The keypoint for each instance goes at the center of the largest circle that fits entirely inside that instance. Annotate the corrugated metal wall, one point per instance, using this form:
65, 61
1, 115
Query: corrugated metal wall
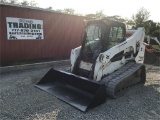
0, 34
61, 34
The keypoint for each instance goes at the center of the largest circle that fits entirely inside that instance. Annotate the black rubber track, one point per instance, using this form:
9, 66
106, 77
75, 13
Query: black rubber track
127, 76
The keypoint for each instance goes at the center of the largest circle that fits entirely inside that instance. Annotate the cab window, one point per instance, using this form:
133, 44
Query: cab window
116, 36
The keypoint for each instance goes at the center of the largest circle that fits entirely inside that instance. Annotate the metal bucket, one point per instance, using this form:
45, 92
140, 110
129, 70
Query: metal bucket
77, 91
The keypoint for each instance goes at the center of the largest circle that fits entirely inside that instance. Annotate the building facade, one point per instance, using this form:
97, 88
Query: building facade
28, 33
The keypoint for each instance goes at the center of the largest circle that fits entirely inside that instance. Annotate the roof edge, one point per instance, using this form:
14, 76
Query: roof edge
35, 8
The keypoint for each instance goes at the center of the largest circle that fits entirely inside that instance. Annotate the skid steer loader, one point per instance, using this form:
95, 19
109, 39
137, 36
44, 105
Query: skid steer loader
104, 66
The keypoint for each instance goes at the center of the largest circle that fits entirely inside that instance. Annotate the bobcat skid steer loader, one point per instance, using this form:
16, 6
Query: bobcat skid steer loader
104, 66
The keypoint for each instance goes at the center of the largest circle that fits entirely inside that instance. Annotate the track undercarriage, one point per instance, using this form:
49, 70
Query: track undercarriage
127, 76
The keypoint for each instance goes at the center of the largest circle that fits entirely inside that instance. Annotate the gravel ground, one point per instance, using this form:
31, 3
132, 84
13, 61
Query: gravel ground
20, 100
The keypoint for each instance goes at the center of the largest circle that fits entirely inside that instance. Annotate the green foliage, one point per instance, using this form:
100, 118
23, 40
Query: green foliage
90, 16
156, 33
150, 26
129, 24
100, 14
25, 3
140, 17
117, 18
141, 20
13, 1
3, 1
33, 3
69, 11
49, 8
97, 15
59, 10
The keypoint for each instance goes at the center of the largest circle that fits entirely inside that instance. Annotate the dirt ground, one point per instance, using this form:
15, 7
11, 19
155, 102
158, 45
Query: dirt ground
20, 100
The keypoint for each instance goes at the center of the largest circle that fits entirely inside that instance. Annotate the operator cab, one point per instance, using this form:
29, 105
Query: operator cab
99, 36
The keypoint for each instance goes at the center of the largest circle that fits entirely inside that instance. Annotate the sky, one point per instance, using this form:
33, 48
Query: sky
123, 8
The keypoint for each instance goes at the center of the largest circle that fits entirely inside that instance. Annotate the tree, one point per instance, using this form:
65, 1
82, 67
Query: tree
25, 3
13, 1
156, 33
100, 14
150, 26
97, 15
117, 18
140, 17
59, 10
141, 20
49, 8
3, 1
130, 24
69, 11
33, 3
90, 16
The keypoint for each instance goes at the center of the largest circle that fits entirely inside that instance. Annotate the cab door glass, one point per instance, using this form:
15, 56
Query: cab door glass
116, 36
